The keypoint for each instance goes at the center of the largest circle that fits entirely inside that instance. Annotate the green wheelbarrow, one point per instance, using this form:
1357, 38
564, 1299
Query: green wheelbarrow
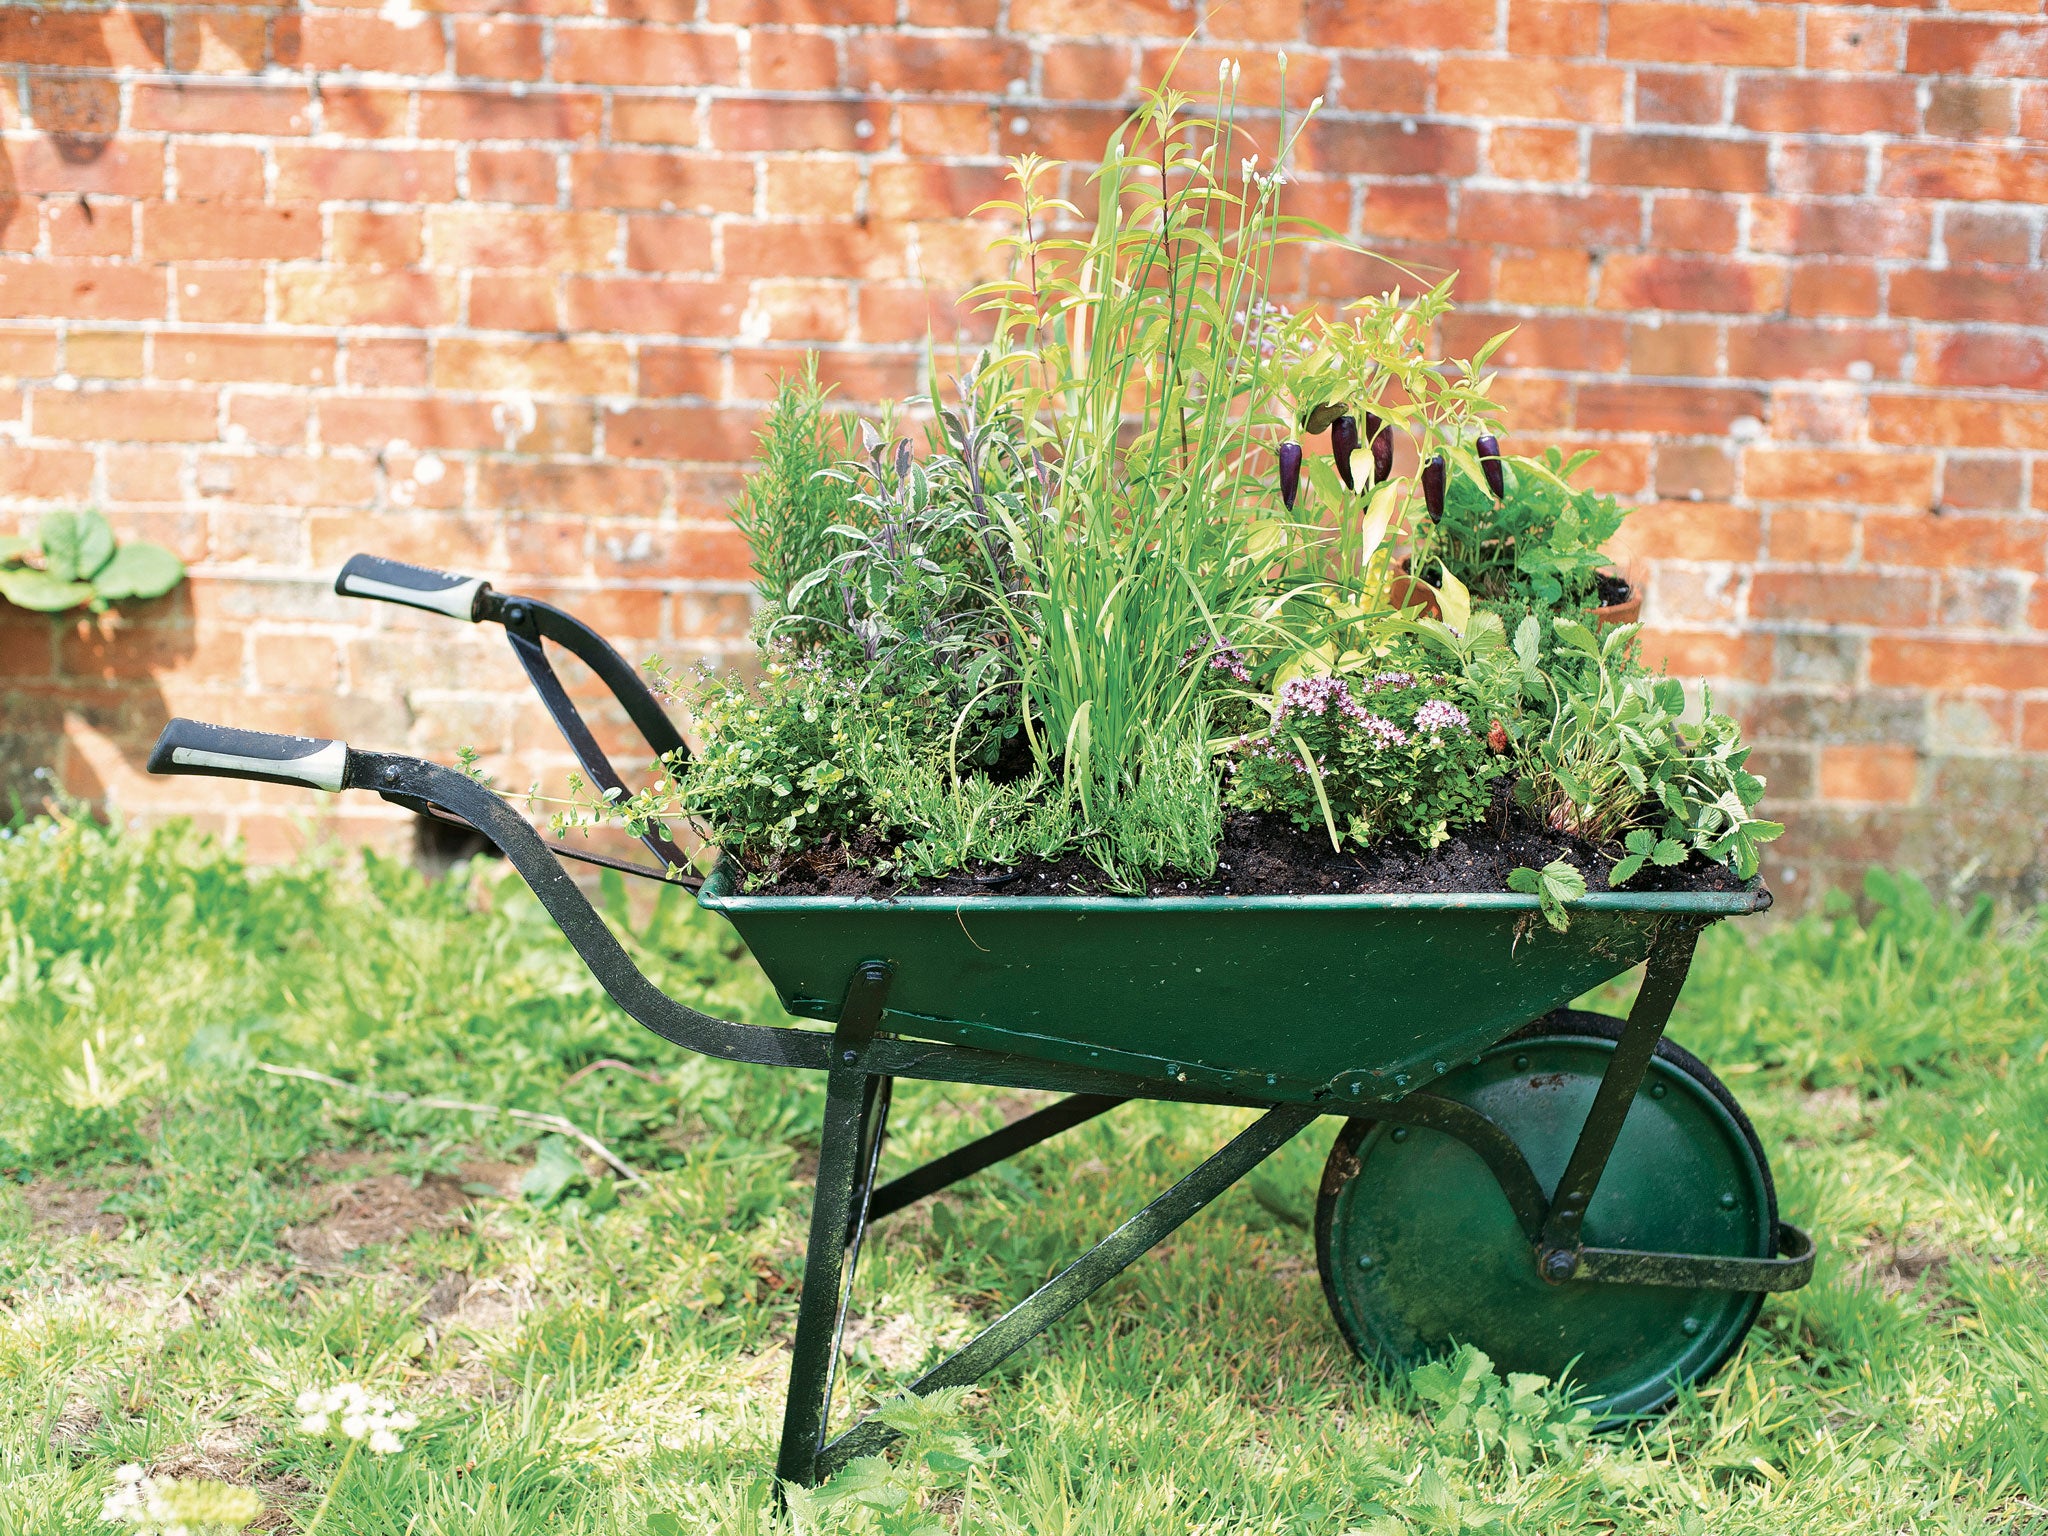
1569, 1192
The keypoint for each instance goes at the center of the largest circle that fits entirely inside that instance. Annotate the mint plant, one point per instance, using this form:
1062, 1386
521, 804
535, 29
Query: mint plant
74, 561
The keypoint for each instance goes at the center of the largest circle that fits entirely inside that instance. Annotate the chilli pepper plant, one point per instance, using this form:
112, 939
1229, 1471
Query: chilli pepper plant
1131, 583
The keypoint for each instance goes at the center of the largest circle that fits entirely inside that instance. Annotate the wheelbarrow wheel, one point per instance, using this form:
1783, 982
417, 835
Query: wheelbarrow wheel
1420, 1252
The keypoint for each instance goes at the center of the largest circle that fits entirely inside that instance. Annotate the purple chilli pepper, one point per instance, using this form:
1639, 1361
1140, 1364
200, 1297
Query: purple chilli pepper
1344, 443
1290, 473
1381, 435
1489, 462
1433, 487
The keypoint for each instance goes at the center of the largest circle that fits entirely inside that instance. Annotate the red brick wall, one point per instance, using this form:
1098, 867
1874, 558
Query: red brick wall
501, 291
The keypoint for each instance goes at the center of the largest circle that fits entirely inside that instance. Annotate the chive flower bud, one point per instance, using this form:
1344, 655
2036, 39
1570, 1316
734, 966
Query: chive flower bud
1381, 435
1433, 474
1344, 443
1290, 473
1489, 462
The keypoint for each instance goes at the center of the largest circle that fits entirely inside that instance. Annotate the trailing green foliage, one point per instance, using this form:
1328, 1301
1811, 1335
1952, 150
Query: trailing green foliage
74, 560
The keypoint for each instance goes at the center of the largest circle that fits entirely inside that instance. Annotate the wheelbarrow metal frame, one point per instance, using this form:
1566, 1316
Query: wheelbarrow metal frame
862, 1062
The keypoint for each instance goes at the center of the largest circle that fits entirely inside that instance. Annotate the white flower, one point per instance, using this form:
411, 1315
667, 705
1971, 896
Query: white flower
175, 1506
356, 1414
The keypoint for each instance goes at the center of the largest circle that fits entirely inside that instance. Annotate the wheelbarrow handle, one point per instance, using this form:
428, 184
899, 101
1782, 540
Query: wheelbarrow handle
415, 586
230, 753
222, 752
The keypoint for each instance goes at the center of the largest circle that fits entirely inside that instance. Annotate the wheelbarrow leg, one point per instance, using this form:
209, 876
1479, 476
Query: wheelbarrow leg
856, 1103
1663, 979
1082, 1278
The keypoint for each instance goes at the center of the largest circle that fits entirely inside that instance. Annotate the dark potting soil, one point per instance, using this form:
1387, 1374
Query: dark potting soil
1264, 855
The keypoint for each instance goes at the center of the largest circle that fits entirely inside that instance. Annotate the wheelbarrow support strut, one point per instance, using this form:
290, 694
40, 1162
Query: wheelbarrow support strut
846, 1199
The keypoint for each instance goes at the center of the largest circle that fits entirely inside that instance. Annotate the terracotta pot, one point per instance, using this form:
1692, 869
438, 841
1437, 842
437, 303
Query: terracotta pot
1406, 591
1627, 611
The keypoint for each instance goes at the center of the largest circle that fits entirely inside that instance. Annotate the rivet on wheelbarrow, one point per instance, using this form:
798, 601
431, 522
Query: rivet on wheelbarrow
1691, 1325
1400, 1133
1365, 1261
1727, 1200
1559, 1265
1400, 1080
850, 1057
1658, 1090
1521, 1063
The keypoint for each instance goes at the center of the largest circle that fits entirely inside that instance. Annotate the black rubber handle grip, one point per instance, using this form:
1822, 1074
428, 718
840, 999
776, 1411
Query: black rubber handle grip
393, 581
221, 752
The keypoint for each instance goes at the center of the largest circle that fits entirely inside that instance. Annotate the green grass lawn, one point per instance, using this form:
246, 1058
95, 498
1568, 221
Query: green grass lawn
187, 1242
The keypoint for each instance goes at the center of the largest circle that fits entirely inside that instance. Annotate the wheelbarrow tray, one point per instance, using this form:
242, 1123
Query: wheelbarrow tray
1289, 997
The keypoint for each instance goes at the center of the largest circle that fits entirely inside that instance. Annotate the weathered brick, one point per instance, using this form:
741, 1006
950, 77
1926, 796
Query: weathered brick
80, 291
212, 231
1907, 661
1971, 109
128, 415
656, 306
644, 55
308, 174
937, 66
1854, 40
73, 104
1966, 172
1376, 25
1548, 218
229, 359
1843, 597
220, 43
110, 39
1869, 772
463, 238
1954, 539
673, 120
1680, 96
1680, 160
1568, 29
533, 367
499, 48
1840, 475
646, 179
1801, 104
1962, 294
358, 296
681, 432
339, 40
1664, 33
1538, 88
1947, 46
1692, 283
190, 107
1365, 148
497, 114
